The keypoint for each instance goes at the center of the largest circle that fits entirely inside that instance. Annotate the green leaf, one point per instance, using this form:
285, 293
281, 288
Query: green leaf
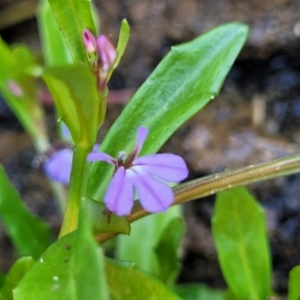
123, 41
96, 18
240, 235
15, 274
230, 296
2, 278
6, 59
19, 66
54, 47
294, 284
77, 100
103, 221
71, 269
30, 235
58, 277
126, 281
51, 272
198, 291
122, 44
182, 84
73, 17
167, 250
142, 253
25, 67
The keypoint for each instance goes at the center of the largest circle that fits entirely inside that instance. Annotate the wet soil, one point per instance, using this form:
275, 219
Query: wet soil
255, 118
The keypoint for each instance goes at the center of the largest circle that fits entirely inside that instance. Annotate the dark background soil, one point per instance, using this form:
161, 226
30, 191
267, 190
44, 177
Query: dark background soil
254, 119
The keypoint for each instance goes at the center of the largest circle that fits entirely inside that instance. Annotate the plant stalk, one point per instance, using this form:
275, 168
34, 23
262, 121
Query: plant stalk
77, 188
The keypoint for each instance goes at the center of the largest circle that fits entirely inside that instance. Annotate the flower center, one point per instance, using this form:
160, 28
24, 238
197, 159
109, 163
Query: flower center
120, 163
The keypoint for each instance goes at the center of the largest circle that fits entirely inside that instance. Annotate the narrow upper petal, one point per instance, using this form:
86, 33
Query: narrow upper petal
96, 147
58, 167
166, 166
101, 156
119, 194
154, 195
142, 134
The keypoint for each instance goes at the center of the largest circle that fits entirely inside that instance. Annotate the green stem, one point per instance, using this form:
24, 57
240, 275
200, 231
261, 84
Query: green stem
41, 143
77, 188
213, 184
60, 193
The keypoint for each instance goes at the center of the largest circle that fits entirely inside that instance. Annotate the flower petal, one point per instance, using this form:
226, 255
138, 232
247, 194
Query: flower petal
166, 166
101, 156
65, 132
96, 147
58, 167
142, 134
119, 194
154, 195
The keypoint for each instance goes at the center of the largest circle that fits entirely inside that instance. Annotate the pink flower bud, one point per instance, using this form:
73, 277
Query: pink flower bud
15, 89
107, 53
89, 41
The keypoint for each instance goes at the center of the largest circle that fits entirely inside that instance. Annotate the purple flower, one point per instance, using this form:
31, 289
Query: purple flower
58, 166
145, 174
65, 132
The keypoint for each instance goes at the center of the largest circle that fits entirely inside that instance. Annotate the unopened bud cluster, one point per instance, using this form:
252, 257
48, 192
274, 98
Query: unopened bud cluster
101, 54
